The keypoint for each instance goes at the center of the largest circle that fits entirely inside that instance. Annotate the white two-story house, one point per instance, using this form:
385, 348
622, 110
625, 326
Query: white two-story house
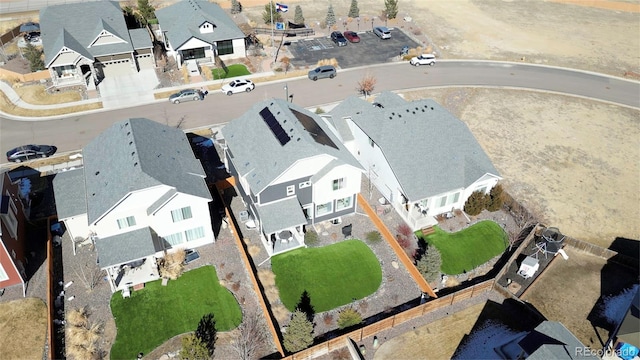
197, 30
140, 192
291, 171
423, 160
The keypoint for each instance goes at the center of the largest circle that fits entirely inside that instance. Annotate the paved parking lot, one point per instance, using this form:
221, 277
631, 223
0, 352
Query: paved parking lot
370, 50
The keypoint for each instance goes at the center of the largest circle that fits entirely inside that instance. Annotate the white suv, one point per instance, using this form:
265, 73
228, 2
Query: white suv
424, 59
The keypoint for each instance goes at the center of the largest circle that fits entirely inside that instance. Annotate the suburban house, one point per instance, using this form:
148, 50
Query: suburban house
141, 191
423, 160
198, 31
13, 216
290, 170
549, 340
87, 42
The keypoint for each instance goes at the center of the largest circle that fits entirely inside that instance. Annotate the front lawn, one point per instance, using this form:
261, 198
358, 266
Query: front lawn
153, 315
333, 275
469, 248
233, 71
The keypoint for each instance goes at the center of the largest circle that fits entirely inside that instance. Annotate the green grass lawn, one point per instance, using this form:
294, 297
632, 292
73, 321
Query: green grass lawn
234, 70
332, 275
467, 249
153, 315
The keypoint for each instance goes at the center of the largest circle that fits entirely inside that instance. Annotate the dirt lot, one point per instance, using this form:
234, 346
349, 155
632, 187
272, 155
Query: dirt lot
23, 328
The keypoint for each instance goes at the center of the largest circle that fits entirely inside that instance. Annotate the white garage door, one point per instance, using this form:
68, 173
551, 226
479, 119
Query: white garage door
145, 61
117, 68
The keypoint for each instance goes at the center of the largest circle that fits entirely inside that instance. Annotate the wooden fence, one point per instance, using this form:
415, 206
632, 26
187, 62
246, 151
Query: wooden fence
17, 77
286, 32
9, 35
602, 252
393, 321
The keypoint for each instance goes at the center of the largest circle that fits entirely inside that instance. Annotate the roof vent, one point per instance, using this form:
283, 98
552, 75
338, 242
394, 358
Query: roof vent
135, 164
97, 173
128, 133
432, 108
133, 153
407, 110
130, 142
298, 139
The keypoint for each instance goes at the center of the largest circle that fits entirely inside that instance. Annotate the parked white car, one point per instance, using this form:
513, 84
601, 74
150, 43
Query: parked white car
424, 59
240, 85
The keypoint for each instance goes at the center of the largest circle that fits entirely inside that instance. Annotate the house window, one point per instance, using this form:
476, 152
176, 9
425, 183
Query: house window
323, 209
371, 142
181, 214
174, 239
195, 234
126, 222
291, 190
3, 274
344, 203
307, 210
225, 47
339, 184
442, 201
453, 198
305, 184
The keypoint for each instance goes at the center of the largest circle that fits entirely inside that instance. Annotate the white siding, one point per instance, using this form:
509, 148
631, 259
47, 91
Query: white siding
323, 189
304, 168
162, 222
78, 226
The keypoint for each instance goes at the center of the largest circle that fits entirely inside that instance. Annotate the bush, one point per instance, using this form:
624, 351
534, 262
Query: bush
373, 237
348, 317
496, 198
429, 264
405, 230
320, 111
207, 333
311, 238
172, 265
475, 203
403, 241
193, 348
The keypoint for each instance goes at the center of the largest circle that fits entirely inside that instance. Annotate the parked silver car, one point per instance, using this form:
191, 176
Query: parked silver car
382, 32
186, 95
321, 72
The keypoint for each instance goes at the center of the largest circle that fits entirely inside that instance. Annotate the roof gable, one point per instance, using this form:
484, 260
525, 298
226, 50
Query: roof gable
263, 147
136, 154
423, 135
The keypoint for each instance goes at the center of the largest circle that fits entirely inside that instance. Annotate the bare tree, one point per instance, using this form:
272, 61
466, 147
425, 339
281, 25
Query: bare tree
252, 336
89, 274
366, 85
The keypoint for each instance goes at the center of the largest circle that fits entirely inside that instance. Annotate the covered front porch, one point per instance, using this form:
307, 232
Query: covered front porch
281, 226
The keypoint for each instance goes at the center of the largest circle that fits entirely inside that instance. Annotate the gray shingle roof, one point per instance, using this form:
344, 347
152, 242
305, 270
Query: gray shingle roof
257, 151
181, 22
136, 154
280, 215
70, 194
77, 25
140, 39
127, 247
429, 150
551, 340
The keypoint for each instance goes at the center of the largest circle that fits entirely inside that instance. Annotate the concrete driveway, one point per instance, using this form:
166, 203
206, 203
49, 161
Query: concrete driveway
130, 89
370, 50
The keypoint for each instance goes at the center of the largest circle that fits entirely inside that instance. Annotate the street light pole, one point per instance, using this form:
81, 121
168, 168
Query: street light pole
286, 92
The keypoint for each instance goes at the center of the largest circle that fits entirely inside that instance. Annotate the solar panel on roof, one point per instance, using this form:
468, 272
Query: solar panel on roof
275, 126
312, 127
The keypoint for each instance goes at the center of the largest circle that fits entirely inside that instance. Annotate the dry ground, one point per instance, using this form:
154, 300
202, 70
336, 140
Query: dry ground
583, 279
23, 328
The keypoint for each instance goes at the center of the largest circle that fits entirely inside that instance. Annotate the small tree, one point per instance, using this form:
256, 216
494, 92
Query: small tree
252, 337
305, 306
299, 334
349, 317
354, 11
34, 56
331, 17
236, 7
172, 265
270, 14
391, 8
366, 85
207, 332
146, 10
298, 18
429, 264
311, 238
193, 348
286, 64
496, 198
475, 203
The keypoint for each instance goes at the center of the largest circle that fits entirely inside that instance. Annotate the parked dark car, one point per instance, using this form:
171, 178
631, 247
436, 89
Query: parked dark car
338, 38
321, 72
352, 36
28, 152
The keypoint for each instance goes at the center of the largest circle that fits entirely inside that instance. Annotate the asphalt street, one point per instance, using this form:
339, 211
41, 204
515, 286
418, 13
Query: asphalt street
73, 132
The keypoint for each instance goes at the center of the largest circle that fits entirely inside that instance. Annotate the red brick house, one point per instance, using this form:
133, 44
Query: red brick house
12, 234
